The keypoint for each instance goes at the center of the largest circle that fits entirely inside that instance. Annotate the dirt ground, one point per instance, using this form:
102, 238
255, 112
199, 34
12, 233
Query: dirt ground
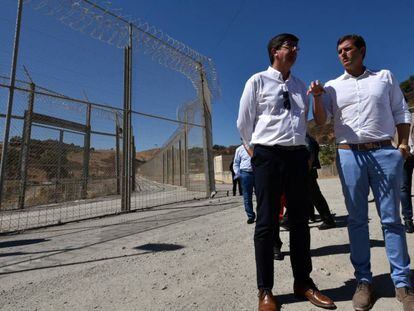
193, 256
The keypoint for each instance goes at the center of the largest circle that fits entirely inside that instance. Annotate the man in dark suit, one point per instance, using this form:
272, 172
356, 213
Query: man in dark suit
316, 198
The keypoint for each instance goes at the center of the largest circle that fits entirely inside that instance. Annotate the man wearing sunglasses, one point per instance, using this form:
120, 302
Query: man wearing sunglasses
367, 106
272, 124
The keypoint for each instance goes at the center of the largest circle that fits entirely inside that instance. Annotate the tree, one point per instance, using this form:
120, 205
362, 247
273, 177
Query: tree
327, 154
407, 86
218, 147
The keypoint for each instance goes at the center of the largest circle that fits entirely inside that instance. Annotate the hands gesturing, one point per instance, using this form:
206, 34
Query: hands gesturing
316, 89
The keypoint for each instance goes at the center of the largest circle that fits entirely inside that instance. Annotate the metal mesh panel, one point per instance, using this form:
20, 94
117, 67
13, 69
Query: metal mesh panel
196, 160
72, 151
104, 174
14, 153
168, 166
60, 167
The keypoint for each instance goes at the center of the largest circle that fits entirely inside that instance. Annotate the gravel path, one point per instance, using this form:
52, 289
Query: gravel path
193, 256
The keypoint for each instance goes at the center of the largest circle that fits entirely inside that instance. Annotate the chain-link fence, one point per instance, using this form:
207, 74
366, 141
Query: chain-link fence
69, 157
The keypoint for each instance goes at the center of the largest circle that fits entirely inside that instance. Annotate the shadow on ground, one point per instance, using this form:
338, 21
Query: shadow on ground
160, 247
383, 287
21, 242
337, 249
340, 249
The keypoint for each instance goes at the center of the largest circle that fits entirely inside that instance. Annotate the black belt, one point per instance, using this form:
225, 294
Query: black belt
290, 148
285, 148
244, 171
366, 146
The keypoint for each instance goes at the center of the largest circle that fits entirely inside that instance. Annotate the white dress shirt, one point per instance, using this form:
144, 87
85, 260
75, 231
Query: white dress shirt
262, 117
365, 108
241, 162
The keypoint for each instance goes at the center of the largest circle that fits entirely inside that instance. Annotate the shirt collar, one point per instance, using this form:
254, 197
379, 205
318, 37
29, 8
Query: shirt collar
367, 72
277, 74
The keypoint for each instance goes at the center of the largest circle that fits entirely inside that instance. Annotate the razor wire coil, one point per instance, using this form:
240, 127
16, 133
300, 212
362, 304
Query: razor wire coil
103, 22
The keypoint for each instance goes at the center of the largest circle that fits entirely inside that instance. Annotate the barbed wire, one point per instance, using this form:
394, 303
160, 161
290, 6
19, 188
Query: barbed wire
103, 22
186, 112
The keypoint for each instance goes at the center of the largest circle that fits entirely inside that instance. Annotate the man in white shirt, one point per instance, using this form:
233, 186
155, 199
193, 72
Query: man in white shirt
242, 168
366, 106
272, 124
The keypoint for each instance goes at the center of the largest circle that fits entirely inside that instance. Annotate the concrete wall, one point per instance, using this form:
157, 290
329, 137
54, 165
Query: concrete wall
222, 173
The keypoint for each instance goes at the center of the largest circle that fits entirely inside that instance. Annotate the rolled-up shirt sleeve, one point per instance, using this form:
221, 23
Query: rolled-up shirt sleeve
247, 112
399, 106
236, 164
327, 100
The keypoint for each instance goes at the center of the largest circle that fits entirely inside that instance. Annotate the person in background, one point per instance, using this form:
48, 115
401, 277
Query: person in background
316, 198
242, 168
236, 181
406, 203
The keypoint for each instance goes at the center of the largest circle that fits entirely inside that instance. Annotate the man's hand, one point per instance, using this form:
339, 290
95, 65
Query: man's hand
405, 150
249, 150
316, 89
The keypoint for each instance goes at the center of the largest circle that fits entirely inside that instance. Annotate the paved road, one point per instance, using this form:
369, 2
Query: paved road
148, 194
193, 256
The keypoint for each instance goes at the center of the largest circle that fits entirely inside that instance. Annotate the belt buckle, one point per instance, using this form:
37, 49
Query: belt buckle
361, 147
373, 145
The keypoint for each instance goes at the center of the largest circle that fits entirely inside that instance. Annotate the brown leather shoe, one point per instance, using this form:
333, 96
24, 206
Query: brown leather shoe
364, 297
405, 295
267, 301
310, 292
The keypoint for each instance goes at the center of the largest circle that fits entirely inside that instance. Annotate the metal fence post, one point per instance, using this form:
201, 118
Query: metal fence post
126, 133
172, 165
186, 164
207, 137
163, 168
133, 155
168, 165
86, 153
117, 155
180, 162
10, 99
27, 130
59, 164
125, 145
130, 146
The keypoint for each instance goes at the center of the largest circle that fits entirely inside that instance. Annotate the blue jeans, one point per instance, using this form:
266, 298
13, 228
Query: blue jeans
382, 170
406, 204
247, 182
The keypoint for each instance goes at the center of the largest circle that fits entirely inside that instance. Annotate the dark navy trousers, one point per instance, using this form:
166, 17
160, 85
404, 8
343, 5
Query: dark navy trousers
279, 169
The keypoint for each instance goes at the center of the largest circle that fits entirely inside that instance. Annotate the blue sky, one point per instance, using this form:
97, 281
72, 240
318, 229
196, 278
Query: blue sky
234, 34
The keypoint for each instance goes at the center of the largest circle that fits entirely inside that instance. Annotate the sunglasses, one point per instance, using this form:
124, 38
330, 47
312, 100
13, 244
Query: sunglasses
286, 100
290, 45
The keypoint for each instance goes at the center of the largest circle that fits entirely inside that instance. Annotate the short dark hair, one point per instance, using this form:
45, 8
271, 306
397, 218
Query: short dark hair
359, 42
277, 41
